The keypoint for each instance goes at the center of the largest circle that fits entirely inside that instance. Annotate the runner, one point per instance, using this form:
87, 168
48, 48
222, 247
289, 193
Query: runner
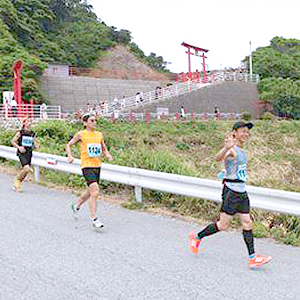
91, 148
234, 195
24, 141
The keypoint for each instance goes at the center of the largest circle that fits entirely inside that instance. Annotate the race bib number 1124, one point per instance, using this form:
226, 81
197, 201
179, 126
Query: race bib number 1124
94, 150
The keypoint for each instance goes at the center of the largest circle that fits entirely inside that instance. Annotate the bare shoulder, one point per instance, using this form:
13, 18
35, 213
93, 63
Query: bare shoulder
77, 138
17, 135
230, 154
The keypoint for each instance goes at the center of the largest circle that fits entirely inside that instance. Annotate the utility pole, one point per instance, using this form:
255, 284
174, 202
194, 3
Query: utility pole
250, 61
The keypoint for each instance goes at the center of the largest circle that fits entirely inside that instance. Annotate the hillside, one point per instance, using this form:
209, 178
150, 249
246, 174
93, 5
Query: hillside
120, 63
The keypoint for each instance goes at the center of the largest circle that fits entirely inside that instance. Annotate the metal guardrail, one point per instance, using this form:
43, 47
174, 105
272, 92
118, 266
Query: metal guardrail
263, 198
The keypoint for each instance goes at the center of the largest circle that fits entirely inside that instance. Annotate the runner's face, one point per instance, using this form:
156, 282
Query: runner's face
91, 122
242, 134
27, 125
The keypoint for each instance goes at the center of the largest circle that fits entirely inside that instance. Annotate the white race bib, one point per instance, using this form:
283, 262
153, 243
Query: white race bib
242, 172
94, 150
27, 141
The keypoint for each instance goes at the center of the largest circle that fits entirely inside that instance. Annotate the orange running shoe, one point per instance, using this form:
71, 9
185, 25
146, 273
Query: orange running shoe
194, 242
258, 261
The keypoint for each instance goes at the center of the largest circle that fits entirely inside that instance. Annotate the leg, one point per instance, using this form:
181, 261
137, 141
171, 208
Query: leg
212, 228
17, 186
255, 261
94, 193
247, 233
83, 198
24, 171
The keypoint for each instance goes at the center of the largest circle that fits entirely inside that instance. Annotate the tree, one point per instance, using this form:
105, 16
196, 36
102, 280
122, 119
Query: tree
279, 68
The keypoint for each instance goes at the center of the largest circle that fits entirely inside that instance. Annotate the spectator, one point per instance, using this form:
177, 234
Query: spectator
43, 111
123, 102
88, 108
141, 96
13, 104
182, 112
105, 108
217, 113
157, 92
137, 98
115, 104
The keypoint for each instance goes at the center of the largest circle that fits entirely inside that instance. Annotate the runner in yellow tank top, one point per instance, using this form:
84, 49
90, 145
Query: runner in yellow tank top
92, 147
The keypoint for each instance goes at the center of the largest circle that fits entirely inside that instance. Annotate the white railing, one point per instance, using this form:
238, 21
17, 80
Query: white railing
187, 116
155, 96
263, 198
233, 76
31, 111
177, 89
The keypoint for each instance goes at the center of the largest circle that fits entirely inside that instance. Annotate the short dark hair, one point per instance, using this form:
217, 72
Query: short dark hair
241, 124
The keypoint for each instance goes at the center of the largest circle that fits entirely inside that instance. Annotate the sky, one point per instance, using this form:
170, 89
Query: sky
223, 27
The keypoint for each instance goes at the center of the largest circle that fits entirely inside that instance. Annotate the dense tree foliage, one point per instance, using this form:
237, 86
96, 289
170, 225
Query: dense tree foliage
279, 68
61, 31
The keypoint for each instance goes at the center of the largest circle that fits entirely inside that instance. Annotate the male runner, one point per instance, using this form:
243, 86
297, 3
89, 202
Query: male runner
234, 196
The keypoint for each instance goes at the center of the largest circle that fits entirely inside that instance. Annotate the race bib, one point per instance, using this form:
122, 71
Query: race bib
242, 173
27, 141
94, 150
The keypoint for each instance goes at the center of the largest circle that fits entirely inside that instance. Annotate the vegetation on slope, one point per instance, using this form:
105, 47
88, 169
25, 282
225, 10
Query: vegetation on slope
61, 31
278, 66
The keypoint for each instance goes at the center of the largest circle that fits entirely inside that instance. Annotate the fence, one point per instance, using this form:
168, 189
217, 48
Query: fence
149, 116
263, 198
29, 110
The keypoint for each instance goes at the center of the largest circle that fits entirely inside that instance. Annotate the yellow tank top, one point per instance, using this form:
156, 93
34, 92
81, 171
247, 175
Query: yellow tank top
90, 149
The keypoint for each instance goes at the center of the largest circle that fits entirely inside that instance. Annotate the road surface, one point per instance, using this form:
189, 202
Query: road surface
46, 254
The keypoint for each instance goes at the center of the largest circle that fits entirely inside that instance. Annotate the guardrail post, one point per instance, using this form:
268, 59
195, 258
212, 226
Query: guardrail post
138, 194
36, 173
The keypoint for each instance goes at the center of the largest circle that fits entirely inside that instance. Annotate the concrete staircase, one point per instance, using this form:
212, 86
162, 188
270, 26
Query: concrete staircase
75, 92
228, 96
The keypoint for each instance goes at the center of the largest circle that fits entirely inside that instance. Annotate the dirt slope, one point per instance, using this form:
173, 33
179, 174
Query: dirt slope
121, 64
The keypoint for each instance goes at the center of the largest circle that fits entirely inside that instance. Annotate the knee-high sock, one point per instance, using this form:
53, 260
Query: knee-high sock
248, 238
209, 230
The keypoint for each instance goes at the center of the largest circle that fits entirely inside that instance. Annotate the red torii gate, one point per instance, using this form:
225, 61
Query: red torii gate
197, 50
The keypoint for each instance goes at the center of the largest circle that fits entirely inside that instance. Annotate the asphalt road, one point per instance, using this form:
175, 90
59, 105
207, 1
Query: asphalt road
46, 254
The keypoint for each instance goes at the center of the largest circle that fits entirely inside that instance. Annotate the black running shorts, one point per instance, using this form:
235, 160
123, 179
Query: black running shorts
91, 175
234, 202
25, 158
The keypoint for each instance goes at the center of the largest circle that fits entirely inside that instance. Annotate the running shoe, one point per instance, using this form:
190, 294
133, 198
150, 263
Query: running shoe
17, 185
74, 210
258, 261
97, 224
194, 242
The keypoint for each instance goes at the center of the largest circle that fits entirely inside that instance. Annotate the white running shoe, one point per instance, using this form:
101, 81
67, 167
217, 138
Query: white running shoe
97, 224
74, 210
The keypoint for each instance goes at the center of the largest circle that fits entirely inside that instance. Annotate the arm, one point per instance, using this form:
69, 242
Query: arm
36, 143
72, 142
14, 142
105, 151
227, 150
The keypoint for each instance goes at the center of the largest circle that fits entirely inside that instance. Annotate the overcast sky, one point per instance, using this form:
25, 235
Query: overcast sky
223, 27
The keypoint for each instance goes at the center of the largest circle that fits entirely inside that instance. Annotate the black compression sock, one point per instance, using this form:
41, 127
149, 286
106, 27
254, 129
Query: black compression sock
248, 238
209, 230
